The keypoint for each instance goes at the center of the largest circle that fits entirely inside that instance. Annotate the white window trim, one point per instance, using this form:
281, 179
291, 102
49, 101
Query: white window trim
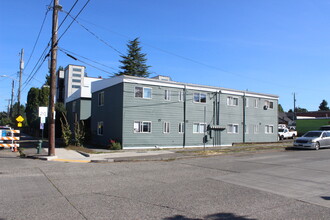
230, 101
199, 127
268, 105
256, 129
143, 92
180, 96
166, 127
267, 129
200, 97
141, 127
98, 128
167, 95
256, 103
246, 129
246, 102
230, 131
181, 127
100, 99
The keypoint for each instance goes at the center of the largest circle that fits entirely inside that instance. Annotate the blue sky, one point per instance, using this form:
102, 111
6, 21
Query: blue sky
276, 47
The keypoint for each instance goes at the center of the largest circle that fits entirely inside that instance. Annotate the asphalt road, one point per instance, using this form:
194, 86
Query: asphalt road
273, 185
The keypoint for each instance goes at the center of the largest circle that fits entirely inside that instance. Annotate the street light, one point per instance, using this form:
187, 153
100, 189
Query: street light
12, 93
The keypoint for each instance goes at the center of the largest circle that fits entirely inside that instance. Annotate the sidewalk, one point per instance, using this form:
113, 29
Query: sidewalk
64, 155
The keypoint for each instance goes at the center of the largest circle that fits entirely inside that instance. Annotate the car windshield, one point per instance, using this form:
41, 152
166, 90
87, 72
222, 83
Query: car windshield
280, 130
313, 134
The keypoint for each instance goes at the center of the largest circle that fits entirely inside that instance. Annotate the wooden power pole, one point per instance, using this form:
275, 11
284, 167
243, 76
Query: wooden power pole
21, 67
53, 63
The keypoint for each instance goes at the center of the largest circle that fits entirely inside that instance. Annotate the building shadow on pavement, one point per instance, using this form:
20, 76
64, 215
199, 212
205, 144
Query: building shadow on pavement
218, 216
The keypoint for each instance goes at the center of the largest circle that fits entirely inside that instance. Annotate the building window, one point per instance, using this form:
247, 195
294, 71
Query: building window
269, 129
76, 75
166, 127
256, 103
74, 106
232, 101
269, 104
180, 96
142, 92
76, 69
181, 127
101, 99
199, 97
75, 86
76, 80
246, 102
167, 95
199, 128
232, 128
142, 127
256, 129
100, 128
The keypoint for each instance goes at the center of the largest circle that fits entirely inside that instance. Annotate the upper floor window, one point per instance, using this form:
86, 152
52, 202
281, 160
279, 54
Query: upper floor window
76, 75
167, 94
76, 80
75, 86
269, 104
180, 96
256, 103
76, 69
200, 97
142, 92
166, 127
101, 99
246, 102
232, 101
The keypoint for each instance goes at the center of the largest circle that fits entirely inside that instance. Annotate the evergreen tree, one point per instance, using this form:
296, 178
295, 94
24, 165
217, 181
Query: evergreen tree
134, 63
324, 106
280, 108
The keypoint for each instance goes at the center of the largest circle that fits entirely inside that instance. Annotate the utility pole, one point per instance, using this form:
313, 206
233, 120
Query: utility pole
12, 98
53, 63
21, 67
294, 106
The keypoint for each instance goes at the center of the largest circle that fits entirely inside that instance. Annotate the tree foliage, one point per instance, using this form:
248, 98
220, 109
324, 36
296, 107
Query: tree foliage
280, 108
134, 63
324, 106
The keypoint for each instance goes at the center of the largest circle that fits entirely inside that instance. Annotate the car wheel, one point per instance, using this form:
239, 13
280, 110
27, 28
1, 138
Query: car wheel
317, 146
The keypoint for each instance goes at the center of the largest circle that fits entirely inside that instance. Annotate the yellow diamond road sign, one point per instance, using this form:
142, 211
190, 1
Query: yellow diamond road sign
20, 118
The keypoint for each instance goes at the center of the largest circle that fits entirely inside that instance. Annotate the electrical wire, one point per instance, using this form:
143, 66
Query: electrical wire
72, 7
73, 21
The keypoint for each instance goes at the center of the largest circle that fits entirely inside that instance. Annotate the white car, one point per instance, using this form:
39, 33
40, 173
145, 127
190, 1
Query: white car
313, 140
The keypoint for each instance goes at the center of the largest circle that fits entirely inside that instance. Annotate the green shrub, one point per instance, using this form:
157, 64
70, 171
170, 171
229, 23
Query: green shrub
114, 145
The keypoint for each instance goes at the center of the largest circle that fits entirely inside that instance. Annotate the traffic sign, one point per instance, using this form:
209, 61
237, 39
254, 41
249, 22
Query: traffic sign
43, 111
19, 118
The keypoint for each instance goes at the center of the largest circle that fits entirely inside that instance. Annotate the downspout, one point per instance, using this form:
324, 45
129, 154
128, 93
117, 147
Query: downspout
244, 117
184, 114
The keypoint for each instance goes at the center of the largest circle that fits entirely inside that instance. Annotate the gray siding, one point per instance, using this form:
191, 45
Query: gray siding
110, 113
157, 110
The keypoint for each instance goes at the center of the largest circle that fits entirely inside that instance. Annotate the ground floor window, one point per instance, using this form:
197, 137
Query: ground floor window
100, 128
269, 129
181, 127
199, 127
142, 127
232, 128
256, 129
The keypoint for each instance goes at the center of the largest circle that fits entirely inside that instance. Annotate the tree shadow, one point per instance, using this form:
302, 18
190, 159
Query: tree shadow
218, 216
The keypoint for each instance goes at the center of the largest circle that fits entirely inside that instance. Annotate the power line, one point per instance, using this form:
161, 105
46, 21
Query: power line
67, 15
73, 21
96, 36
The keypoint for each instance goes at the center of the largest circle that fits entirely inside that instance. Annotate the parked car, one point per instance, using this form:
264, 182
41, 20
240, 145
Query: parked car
284, 133
313, 140
325, 128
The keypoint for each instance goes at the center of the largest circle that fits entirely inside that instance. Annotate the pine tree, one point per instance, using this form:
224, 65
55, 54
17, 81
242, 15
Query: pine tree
324, 106
134, 63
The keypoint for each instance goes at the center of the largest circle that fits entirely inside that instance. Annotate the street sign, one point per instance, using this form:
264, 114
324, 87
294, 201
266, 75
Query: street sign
20, 119
43, 120
43, 111
42, 126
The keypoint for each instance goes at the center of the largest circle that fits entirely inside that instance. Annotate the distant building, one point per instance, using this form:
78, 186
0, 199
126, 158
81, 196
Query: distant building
157, 112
